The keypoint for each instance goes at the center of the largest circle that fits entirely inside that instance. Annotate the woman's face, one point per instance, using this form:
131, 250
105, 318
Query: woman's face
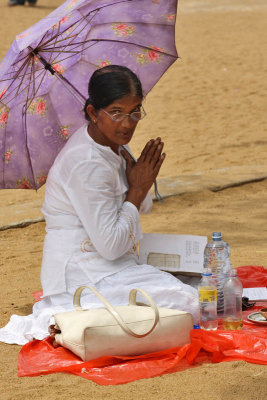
110, 133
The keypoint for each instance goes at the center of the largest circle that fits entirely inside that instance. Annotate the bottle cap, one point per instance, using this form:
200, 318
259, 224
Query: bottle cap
216, 235
206, 274
233, 272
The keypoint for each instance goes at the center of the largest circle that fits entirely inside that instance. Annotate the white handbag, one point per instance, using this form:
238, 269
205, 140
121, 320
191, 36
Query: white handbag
121, 331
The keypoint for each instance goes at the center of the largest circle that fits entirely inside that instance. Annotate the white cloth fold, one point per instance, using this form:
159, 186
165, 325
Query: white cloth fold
166, 290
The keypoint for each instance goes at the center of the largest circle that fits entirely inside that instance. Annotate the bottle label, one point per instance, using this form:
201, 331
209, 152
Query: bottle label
207, 294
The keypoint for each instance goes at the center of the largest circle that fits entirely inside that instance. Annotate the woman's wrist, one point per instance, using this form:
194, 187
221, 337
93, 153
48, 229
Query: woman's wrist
135, 196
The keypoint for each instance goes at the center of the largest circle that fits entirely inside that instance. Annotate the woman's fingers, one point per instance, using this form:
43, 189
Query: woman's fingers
129, 161
154, 151
157, 154
159, 163
149, 150
145, 150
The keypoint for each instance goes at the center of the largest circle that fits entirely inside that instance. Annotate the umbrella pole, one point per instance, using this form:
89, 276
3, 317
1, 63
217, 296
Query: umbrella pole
81, 99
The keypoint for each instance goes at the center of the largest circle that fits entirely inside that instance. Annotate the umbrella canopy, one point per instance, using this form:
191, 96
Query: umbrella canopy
44, 76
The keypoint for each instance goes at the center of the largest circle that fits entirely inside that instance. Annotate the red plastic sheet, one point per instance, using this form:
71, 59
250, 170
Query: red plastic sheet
252, 276
249, 344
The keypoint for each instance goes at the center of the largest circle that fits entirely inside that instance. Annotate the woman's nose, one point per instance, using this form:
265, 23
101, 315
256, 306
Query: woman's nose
127, 121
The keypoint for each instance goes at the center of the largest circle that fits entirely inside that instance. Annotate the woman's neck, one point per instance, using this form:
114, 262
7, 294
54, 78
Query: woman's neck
95, 134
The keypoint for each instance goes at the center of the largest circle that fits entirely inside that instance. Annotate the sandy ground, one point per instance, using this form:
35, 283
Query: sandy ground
210, 109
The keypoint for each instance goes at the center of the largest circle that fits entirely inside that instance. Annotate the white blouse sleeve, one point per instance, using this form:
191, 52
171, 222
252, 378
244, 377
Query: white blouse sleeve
91, 189
146, 205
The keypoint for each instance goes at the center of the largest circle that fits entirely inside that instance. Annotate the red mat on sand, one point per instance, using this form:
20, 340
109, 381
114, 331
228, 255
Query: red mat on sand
249, 344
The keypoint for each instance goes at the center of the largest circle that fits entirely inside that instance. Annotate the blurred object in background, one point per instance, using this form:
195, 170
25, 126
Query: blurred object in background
13, 3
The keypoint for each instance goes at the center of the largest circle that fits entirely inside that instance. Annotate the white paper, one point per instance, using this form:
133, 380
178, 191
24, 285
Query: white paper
257, 293
173, 253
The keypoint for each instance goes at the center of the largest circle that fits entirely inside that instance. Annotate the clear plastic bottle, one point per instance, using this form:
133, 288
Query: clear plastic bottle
232, 315
207, 293
216, 253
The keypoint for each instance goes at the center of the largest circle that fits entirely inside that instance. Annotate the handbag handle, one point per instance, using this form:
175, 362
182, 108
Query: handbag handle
113, 312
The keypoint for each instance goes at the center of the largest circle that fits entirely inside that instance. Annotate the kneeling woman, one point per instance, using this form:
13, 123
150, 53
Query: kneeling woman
94, 193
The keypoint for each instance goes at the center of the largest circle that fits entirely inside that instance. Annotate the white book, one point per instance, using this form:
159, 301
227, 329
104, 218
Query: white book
255, 294
182, 254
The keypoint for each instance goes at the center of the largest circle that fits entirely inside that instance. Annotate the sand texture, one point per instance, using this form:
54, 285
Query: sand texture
210, 110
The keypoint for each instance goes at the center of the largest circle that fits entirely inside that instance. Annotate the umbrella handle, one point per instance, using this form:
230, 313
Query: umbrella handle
157, 194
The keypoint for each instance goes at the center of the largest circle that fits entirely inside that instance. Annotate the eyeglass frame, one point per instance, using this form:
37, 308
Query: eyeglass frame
126, 115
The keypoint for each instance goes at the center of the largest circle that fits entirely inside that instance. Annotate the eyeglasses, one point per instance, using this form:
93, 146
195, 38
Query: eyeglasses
119, 117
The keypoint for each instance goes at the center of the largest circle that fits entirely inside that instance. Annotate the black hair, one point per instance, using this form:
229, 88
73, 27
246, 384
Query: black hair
110, 83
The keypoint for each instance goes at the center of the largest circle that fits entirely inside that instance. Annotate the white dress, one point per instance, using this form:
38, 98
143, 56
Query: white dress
91, 237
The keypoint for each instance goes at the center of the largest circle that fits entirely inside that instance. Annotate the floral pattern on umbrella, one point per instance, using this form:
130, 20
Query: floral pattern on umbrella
64, 132
4, 113
149, 55
123, 29
8, 155
37, 106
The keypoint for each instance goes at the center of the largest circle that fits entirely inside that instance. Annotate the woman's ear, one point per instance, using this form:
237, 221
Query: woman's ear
91, 112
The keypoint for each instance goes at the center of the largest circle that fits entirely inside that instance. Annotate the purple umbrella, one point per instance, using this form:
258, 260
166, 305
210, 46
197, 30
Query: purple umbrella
44, 76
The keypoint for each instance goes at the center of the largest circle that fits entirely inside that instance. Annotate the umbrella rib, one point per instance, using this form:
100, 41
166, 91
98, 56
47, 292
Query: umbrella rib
72, 44
35, 93
46, 33
135, 44
28, 89
77, 23
33, 70
16, 74
19, 76
114, 41
69, 44
24, 124
73, 53
55, 37
55, 41
23, 77
19, 92
22, 58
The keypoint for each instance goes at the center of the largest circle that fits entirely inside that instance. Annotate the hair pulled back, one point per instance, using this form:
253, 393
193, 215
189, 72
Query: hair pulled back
109, 84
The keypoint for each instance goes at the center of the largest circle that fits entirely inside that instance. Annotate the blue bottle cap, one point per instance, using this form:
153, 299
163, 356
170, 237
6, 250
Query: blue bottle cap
216, 235
196, 327
206, 274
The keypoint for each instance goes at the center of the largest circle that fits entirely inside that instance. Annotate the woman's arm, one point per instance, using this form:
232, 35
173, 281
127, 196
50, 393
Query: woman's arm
91, 189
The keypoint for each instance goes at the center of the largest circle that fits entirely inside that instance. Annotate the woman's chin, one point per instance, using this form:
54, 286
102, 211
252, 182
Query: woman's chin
125, 138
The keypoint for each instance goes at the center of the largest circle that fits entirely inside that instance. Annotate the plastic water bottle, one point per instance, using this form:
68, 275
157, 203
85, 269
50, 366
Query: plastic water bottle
232, 315
207, 293
216, 253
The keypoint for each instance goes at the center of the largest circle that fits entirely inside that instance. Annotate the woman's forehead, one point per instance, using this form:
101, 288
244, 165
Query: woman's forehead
128, 101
